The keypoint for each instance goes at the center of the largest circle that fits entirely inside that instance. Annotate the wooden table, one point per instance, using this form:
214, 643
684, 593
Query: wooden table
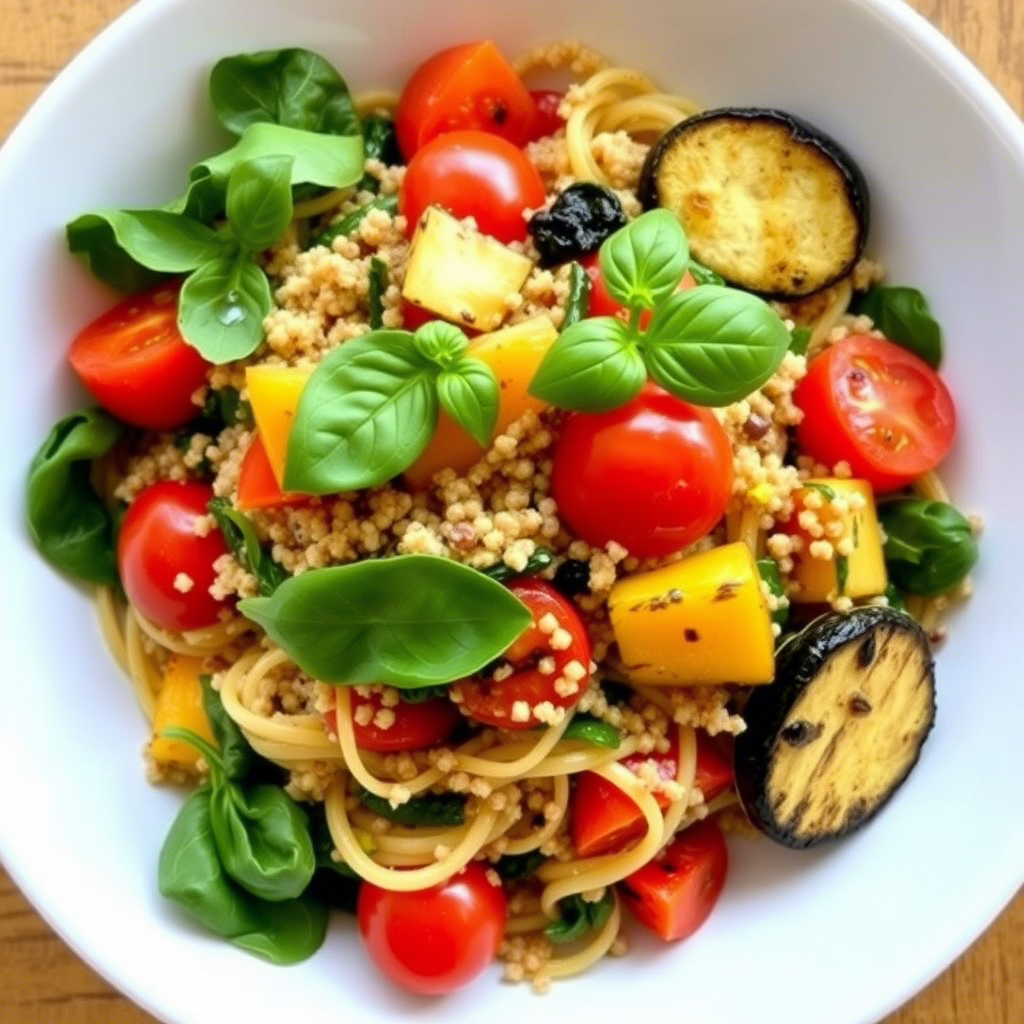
44, 982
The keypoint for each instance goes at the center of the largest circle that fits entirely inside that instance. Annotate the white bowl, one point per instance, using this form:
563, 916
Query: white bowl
842, 935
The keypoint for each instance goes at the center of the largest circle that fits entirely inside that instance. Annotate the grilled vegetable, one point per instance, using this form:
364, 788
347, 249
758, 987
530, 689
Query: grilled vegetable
831, 740
579, 220
767, 200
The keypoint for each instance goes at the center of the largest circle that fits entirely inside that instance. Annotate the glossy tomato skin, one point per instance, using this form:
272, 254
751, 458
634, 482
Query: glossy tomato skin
466, 87
545, 118
416, 726
878, 407
600, 303
156, 542
491, 701
435, 940
135, 363
674, 894
653, 475
473, 174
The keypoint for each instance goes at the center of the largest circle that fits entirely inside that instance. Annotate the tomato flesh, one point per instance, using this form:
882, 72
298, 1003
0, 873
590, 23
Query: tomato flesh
416, 725
878, 407
135, 363
545, 118
257, 484
435, 940
600, 302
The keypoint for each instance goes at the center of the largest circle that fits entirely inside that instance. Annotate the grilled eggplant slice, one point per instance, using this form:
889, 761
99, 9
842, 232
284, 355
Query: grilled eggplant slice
767, 200
840, 728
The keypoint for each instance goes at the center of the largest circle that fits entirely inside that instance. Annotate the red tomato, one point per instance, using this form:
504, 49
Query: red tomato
436, 940
675, 893
878, 407
470, 86
416, 726
257, 485
490, 701
545, 116
134, 362
156, 543
602, 304
473, 174
603, 819
654, 475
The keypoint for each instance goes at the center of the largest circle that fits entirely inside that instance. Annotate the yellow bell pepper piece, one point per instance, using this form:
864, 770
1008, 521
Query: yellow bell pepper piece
179, 703
274, 396
701, 620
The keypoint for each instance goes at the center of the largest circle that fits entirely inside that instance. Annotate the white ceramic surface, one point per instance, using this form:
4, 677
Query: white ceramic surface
840, 936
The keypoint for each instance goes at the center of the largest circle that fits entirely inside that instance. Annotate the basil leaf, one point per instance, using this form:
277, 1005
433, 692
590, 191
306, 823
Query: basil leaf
704, 275
413, 620
577, 302
903, 316
67, 521
440, 810
643, 263
515, 867
421, 694
243, 543
378, 285
768, 570
714, 345
593, 366
469, 394
579, 917
292, 87
347, 224
367, 412
592, 730
259, 201
221, 309
286, 932
92, 238
535, 564
440, 342
379, 143
929, 545
236, 756
799, 338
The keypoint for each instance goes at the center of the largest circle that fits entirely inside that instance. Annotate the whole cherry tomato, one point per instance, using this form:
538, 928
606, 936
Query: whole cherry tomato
416, 725
135, 363
166, 569
435, 940
473, 174
878, 407
653, 475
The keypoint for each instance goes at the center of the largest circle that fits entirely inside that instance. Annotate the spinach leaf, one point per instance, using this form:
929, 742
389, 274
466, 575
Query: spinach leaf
222, 408
895, 598
469, 394
768, 569
243, 543
579, 917
799, 338
515, 867
903, 316
643, 263
347, 224
411, 620
377, 287
292, 87
421, 694
68, 522
592, 730
380, 142
236, 756
577, 302
286, 932
704, 275
929, 545
535, 564
434, 809
259, 201
334, 882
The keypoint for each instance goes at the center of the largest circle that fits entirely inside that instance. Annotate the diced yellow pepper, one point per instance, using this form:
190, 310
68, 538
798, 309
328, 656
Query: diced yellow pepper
701, 620
179, 703
861, 573
514, 354
274, 396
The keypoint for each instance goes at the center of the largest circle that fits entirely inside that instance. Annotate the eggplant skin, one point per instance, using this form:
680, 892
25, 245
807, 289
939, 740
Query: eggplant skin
767, 200
834, 736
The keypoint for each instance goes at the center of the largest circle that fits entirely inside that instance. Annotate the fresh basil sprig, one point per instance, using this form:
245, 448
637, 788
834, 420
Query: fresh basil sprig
710, 345
929, 545
903, 316
578, 916
410, 621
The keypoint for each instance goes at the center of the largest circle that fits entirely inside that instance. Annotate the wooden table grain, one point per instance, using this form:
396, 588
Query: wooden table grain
44, 982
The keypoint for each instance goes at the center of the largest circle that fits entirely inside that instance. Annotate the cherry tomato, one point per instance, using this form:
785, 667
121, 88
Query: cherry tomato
417, 725
491, 701
653, 475
674, 894
157, 544
545, 117
878, 407
602, 304
134, 362
603, 819
470, 86
473, 174
435, 940
257, 485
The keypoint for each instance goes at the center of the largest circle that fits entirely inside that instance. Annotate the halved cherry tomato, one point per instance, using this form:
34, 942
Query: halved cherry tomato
545, 117
878, 407
135, 363
653, 475
257, 485
674, 894
435, 940
491, 701
157, 546
603, 819
471, 86
416, 726
602, 304
473, 174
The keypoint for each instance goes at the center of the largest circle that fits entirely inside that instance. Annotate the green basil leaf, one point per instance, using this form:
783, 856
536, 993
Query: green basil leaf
535, 564
292, 87
592, 730
380, 142
412, 620
378, 285
259, 201
577, 302
903, 316
203, 200
421, 694
929, 545
344, 227
223, 407
236, 756
441, 342
221, 309
286, 932
704, 275
714, 345
436, 810
67, 521
799, 338
243, 543
577, 917
643, 263
92, 238
768, 570
323, 843
593, 366
469, 394
368, 411
516, 867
